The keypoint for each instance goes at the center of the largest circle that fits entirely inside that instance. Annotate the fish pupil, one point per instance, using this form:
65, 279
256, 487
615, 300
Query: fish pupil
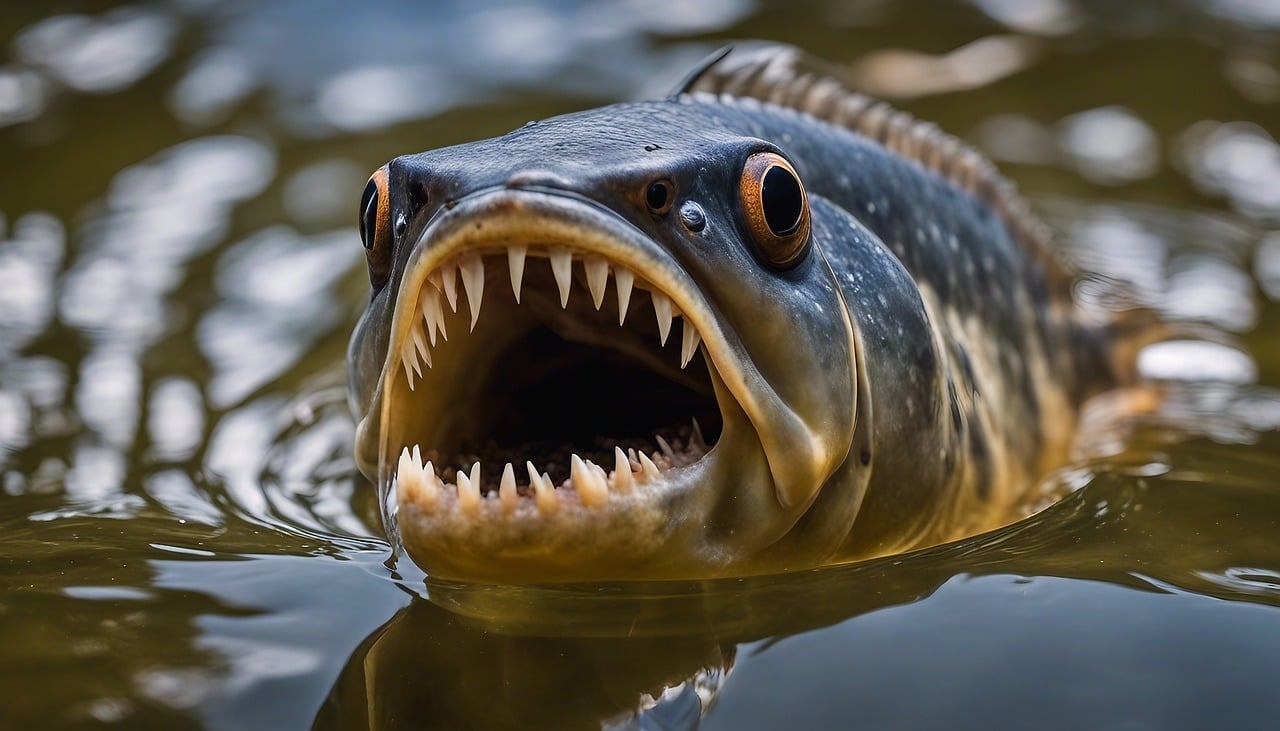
657, 195
369, 214
782, 200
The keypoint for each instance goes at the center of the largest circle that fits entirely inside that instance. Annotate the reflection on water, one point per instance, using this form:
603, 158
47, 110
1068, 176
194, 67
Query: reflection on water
187, 542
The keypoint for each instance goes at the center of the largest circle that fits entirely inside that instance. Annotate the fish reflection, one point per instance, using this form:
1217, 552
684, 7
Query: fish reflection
664, 654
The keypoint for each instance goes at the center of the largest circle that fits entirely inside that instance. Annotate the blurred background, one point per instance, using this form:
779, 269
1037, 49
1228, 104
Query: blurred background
180, 269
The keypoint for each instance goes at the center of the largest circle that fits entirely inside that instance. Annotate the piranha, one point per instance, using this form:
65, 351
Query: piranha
763, 324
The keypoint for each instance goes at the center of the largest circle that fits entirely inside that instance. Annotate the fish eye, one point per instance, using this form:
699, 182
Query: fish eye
375, 233
659, 196
776, 209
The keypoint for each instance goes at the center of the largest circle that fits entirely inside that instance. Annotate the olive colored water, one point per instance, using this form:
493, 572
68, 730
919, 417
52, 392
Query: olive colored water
183, 540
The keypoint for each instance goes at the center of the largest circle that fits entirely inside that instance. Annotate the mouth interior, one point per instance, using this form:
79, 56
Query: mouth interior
538, 381
558, 398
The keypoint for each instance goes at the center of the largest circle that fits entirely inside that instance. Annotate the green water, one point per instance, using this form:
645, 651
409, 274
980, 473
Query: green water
183, 537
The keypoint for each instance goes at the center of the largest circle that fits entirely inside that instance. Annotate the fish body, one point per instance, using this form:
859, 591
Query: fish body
883, 348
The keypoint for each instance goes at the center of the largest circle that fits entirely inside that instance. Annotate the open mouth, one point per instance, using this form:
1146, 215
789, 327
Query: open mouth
538, 376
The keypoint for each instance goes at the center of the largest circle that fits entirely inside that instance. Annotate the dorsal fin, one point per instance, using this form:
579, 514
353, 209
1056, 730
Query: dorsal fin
785, 76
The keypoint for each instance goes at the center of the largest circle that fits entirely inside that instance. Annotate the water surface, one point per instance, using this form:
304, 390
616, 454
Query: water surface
186, 543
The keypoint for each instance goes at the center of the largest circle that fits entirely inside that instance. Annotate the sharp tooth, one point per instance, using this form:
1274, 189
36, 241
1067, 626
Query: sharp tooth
544, 494
697, 434
649, 469
410, 363
597, 270
431, 485
689, 346
473, 282
507, 489
666, 448
587, 482
602, 475
417, 484
417, 457
469, 490
622, 481
449, 275
552, 499
631, 452
419, 342
515, 262
411, 351
562, 267
402, 469
624, 279
429, 301
440, 318
662, 309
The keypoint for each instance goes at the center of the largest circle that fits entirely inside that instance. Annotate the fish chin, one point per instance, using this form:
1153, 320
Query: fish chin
555, 408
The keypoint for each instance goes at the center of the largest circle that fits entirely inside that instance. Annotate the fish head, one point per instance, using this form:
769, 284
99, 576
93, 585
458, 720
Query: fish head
603, 346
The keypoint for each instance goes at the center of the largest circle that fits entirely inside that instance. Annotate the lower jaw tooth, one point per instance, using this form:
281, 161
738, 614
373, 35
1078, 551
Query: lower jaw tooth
622, 481
507, 490
544, 493
431, 486
416, 483
587, 482
469, 490
697, 435
665, 447
649, 469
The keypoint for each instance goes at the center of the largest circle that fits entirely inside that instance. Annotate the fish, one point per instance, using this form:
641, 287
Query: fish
763, 324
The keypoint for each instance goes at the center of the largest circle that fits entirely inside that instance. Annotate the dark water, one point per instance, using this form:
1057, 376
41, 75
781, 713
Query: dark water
183, 538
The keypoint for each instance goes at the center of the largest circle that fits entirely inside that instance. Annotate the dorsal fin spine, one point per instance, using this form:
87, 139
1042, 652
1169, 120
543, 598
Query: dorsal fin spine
769, 76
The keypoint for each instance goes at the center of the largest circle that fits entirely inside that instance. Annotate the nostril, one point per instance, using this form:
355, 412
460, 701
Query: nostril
419, 196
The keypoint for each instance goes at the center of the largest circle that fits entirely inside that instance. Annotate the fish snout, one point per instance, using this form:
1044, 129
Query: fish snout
538, 179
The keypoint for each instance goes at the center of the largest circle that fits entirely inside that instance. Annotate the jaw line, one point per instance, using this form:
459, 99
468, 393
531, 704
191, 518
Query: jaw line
493, 218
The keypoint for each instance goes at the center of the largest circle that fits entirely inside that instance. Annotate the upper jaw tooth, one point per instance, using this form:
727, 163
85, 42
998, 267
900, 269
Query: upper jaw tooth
473, 282
562, 267
515, 263
432, 314
624, 280
597, 270
662, 310
449, 275
689, 344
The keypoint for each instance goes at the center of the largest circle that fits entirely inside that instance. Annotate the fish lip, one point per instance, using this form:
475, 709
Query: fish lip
497, 217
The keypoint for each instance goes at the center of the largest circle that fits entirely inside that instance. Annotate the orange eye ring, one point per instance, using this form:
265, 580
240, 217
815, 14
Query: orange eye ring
775, 208
375, 226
